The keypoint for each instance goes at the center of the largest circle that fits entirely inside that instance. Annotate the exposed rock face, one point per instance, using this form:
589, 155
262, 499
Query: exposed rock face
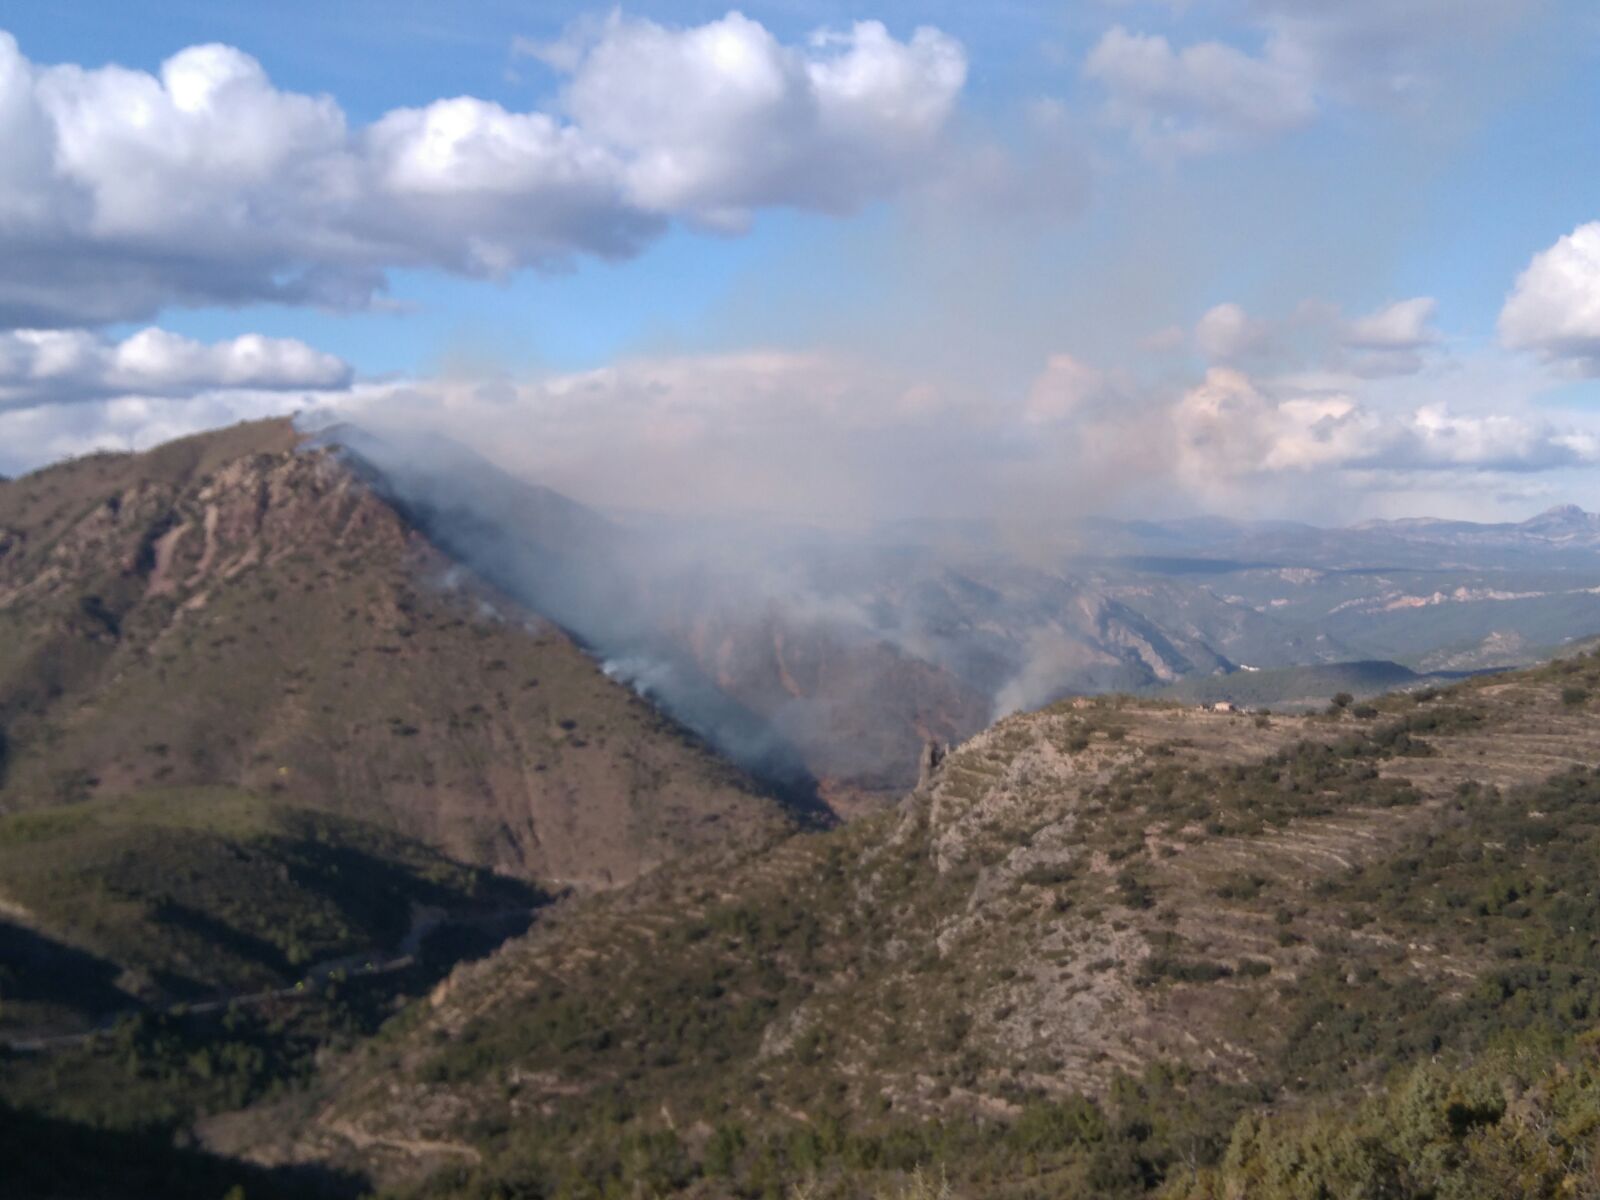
233, 609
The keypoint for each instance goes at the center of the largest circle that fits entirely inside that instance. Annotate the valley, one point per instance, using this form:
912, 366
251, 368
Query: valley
334, 861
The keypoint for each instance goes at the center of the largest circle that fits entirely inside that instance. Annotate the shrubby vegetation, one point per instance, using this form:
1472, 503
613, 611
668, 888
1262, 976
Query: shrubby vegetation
1164, 1124
163, 1070
1509, 878
1516, 1123
45, 1158
1308, 779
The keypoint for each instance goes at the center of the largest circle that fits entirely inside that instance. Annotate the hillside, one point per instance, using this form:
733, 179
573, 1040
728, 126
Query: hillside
1101, 937
252, 722
230, 610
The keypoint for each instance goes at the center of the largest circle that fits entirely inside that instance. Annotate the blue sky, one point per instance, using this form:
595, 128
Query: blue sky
1287, 237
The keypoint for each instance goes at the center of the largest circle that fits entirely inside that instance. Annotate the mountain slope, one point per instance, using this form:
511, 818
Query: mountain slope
1101, 933
232, 610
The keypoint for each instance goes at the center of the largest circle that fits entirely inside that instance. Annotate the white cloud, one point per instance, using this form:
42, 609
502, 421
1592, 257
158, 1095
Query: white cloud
1403, 325
1226, 428
825, 438
52, 366
1498, 442
716, 121
1554, 309
32, 437
1391, 341
1231, 427
121, 191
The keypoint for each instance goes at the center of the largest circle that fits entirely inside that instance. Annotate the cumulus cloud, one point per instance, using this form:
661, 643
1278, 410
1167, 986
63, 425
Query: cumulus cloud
831, 439
717, 121
1230, 427
1554, 309
47, 366
1227, 427
1403, 325
1394, 340
121, 191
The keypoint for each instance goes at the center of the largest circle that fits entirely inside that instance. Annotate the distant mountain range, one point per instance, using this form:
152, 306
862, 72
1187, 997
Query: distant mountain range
1556, 532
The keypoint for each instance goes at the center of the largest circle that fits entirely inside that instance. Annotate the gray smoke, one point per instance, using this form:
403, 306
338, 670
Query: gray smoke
798, 652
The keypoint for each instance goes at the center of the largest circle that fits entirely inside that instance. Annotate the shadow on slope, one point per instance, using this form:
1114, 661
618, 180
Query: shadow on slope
38, 970
197, 892
46, 1158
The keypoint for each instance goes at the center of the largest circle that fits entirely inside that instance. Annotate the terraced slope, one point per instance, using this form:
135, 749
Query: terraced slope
1100, 933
